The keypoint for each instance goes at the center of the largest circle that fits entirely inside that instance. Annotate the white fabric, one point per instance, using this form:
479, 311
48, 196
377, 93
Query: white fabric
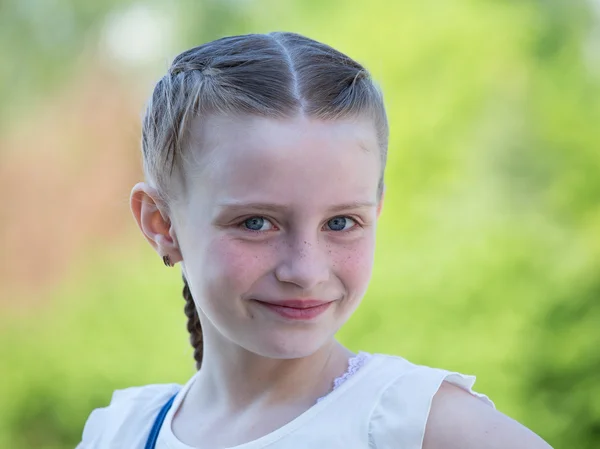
354, 364
385, 404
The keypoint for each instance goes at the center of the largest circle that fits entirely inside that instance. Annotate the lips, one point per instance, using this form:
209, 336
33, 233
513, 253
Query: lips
296, 309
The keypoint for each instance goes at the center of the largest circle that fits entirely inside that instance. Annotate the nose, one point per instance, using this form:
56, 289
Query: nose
304, 263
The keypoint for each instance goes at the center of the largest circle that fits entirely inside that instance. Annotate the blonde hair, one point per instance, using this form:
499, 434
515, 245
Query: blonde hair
276, 75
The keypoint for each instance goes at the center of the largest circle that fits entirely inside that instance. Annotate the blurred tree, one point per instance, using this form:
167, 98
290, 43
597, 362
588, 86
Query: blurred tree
42, 42
562, 387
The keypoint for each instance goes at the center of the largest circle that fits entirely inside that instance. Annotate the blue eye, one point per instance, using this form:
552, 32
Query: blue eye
257, 223
340, 223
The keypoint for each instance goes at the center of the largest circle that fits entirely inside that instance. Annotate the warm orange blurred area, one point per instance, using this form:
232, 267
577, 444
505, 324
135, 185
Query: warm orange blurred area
67, 189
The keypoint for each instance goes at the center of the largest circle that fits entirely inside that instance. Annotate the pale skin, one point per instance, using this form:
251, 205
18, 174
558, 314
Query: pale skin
273, 209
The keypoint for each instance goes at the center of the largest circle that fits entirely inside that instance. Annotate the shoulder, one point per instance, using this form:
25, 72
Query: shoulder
458, 420
401, 411
127, 418
434, 408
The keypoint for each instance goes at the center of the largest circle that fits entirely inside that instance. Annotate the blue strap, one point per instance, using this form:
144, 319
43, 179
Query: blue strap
151, 442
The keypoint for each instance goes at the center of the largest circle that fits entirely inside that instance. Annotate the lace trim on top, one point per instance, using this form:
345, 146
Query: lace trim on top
354, 364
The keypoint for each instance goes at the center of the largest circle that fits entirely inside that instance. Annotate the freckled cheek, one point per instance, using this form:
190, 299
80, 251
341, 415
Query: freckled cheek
237, 264
353, 265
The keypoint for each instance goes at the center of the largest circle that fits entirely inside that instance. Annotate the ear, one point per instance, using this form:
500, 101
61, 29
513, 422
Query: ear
151, 216
380, 203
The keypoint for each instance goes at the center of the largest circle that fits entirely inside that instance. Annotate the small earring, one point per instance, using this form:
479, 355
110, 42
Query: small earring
167, 261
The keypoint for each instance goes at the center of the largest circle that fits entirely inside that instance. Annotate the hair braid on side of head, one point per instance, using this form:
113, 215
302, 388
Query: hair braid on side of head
193, 324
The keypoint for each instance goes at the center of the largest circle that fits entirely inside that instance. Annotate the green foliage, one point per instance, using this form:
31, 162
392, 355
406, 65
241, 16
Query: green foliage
114, 329
489, 245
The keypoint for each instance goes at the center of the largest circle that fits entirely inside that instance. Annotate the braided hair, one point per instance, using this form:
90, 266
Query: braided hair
193, 324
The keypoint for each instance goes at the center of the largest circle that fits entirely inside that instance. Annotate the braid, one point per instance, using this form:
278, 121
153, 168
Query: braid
193, 324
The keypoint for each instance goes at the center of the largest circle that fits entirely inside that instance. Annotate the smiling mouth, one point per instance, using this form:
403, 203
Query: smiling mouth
297, 310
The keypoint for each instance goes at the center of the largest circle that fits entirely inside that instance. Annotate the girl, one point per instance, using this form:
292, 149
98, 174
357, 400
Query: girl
264, 158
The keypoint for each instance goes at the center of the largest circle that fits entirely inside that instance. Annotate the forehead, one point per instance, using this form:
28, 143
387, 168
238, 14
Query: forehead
289, 160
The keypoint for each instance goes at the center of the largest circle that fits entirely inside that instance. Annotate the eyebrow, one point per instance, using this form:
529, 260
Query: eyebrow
272, 207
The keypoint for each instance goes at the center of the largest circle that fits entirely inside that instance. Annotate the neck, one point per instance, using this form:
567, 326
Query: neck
235, 378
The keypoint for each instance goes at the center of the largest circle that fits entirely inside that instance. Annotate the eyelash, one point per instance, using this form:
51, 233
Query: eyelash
353, 228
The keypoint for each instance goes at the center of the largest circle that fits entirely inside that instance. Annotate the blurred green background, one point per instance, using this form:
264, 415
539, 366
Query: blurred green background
489, 245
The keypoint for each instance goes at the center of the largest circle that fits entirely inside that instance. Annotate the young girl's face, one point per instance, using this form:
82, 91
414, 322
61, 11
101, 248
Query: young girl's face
276, 226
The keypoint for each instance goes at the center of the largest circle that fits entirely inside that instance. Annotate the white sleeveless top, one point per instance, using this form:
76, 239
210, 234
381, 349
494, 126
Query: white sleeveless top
383, 405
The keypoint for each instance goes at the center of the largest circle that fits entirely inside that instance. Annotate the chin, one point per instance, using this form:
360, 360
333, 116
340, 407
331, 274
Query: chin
288, 346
